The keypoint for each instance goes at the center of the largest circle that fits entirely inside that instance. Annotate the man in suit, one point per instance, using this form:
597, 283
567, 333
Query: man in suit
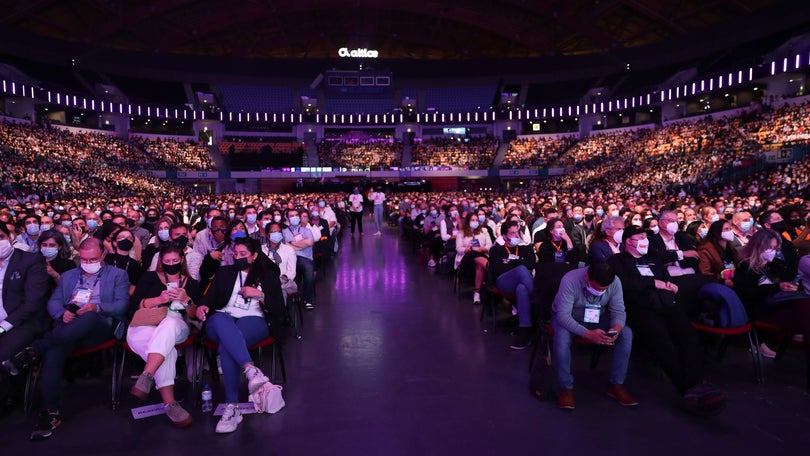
87, 305
24, 292
660, 323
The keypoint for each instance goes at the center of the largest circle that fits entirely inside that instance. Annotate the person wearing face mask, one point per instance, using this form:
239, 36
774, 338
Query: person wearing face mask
717, 257
661, 323
178, 237
322, 248
27, 241
580, 229
607, 241
123, 241
140, 233
25, 288
169, 287
86, 308
744, 229
511, 265
56, 250
160, 239
472, 249
432, 235
555, 257
283, 256
788, 252
301, 240
204, 241
590, 304
356, 210
251, 221
378, 198
767, 287
243, 306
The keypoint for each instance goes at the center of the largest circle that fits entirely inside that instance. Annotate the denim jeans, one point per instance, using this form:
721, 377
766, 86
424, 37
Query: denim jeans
234, 336
561, 354
378, 216
519, 281
84, 331
305, 268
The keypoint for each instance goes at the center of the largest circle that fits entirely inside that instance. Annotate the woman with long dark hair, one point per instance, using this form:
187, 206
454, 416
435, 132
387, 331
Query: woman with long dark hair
243, 299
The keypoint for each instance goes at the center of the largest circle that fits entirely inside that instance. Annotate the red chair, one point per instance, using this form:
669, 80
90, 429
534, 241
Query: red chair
208, 347
118, 353
753, 343
545, 337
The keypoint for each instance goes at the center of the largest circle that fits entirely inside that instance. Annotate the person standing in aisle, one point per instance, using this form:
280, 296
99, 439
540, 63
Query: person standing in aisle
356, 210
378, 198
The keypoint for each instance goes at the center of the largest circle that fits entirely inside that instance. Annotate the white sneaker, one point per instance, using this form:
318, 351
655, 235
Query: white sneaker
230, 420
256, 378
476, 297
766, 351
378, 233
432, 263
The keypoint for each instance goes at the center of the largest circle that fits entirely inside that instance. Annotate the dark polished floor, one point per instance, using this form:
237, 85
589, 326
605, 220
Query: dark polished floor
393, 362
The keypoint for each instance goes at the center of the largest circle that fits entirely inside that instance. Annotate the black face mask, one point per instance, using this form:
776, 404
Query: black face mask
125, 245
241, 263
172, 269
131, 223
181, 242
727, 216
152, 219
588, 217
779, 227
796, 222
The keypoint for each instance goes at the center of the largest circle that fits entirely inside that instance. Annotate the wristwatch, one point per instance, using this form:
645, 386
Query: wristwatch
2, 330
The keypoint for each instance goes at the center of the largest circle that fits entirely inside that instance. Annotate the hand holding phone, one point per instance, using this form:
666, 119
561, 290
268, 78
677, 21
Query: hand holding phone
72, 308
612, 333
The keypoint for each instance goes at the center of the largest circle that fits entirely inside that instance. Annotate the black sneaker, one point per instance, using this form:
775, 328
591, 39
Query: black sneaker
48, 421
521, 339
19, 362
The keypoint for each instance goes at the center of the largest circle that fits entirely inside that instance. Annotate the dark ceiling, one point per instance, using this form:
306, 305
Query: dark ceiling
428, 29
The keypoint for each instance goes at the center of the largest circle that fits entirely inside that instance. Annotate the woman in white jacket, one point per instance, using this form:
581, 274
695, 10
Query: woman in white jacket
472, 247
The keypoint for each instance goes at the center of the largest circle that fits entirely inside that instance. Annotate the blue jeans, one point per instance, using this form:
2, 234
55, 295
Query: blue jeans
378, 216
84, 331
234, 336
519, 281
561, 354
305, 268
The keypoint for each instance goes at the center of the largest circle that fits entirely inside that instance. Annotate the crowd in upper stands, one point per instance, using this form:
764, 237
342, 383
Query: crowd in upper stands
536, 152
465, 153
360, 154
174, 154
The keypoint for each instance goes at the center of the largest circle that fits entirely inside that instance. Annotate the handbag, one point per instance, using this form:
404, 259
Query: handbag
149, 317
267, 399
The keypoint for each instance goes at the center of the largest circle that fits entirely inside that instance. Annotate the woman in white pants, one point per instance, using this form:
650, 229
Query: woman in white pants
168, 287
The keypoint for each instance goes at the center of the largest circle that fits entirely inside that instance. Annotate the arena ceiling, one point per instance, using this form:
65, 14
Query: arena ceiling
425, 30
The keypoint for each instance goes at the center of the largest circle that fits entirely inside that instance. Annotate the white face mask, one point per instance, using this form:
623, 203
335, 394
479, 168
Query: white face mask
745, 226
617, 236
637, 223
594, 291
643, 246
559, 232
768, 255
91, 268
6, 249
727, 235
672, 228
714, 218
703, 231
654, 229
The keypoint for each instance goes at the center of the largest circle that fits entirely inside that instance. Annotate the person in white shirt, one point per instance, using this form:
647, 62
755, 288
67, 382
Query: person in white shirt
378, 198
356, 210
472, 248
283, 256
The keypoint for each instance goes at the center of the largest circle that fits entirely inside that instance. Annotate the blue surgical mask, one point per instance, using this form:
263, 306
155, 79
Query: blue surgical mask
514, 241
745, 226
474, 224
433, 213
238, 235
482, 218
600, 212
321, 204
453, 214
594, 291
295, 220
92, 224
276, 237
49, 252
251, 218
163, 235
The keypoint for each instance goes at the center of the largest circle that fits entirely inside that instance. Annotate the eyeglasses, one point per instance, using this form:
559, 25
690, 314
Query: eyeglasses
218, 231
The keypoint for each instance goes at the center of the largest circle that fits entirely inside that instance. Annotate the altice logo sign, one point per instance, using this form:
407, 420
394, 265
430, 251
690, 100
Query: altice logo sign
358, 53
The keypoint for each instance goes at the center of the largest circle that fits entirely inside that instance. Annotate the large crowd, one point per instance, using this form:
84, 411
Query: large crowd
98, 251
465, 153
175, 154
360, 154
535, 152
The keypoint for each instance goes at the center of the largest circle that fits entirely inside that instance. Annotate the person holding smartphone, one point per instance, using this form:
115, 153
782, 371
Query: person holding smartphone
169, 287
590, 304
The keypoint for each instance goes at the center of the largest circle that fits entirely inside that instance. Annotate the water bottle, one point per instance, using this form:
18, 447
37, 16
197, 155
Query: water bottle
207, 399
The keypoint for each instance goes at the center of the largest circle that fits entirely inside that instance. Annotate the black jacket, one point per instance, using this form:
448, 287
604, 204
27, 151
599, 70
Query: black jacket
26, 287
